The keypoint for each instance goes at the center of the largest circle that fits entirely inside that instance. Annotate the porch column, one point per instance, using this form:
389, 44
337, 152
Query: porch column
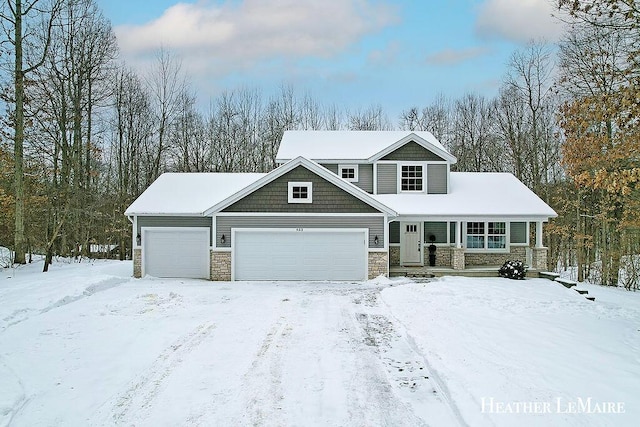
457, 253
458, 234
539, 235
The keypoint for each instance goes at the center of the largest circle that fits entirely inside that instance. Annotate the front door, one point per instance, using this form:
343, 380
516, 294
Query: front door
411, 244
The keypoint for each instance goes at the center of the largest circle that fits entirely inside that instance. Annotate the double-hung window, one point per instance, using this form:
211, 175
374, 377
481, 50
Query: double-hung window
486, 235
411, 178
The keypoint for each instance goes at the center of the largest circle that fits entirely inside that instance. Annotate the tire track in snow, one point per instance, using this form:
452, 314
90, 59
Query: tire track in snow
139, 397
263, 381
21, 315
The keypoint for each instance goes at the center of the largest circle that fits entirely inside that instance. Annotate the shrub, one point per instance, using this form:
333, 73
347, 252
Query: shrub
513, 270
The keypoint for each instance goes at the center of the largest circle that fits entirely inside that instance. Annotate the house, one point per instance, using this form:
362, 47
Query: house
341, 205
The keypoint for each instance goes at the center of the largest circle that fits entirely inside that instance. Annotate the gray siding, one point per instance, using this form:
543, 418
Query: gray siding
387, 178
412, 152
365, 175
437, 179
518, 232
394, 232
173, 221
438, 229
224, 224
327, 197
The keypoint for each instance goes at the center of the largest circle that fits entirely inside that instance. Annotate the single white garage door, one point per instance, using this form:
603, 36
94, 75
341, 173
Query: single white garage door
176, 252
309, 254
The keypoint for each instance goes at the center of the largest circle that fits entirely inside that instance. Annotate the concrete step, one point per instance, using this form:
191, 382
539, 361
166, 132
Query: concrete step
566, 282
548, 275
582, 291
591, 298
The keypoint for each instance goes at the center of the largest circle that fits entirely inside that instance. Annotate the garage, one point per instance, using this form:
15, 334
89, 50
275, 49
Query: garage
176, 252
299, 254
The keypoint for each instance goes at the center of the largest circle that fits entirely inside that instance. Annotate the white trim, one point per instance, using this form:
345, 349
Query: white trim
349, 166
145, 229
213, 232
399, 189
135, 236
309, 214
375, 178
300, 184
427, 217
385, 232
234, 231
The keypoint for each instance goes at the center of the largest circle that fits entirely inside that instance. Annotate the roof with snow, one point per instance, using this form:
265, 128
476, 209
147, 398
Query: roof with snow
189, 193
351, 145
473, 195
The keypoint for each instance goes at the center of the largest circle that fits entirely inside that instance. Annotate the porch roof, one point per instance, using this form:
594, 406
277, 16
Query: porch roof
473, 195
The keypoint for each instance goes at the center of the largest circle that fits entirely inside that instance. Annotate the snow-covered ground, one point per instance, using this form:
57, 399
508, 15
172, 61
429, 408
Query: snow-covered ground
87, 345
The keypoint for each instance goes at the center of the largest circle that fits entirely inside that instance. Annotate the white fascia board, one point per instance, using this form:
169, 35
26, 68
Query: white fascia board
421, 141
333, 161
166, 214
470, 218
313, 167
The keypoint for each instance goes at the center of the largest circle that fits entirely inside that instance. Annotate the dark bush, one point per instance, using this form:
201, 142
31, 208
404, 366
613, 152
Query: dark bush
513, 270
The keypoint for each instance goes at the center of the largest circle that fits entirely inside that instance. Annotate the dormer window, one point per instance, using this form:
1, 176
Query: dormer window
348, 172
412, 178
300, 192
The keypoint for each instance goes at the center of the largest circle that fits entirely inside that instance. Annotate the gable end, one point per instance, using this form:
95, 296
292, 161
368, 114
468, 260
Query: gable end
412, 151
327, 197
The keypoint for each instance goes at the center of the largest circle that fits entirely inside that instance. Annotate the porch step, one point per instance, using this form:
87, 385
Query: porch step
566, 282
582, 291
591, 298
548, 275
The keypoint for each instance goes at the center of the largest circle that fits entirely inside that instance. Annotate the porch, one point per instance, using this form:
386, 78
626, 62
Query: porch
469, 271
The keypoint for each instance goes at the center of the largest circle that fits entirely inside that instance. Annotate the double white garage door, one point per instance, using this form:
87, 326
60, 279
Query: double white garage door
273, 254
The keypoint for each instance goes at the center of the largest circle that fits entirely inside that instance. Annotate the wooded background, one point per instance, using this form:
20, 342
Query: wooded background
83, 134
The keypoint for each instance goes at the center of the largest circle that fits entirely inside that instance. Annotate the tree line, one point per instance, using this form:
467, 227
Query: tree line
85, 134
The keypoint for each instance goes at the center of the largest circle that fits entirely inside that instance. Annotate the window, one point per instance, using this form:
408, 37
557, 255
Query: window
300, 192
486, 235
348, 172
411, 178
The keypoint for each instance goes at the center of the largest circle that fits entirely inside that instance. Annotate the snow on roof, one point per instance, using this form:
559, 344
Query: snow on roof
473, 194
189, 193
343, 145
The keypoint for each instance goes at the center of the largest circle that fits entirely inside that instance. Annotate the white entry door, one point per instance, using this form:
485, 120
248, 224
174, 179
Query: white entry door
176, 252
411, 244
302, 254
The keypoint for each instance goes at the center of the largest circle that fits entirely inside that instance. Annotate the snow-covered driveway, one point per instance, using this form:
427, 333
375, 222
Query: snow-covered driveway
172, 352
86, 345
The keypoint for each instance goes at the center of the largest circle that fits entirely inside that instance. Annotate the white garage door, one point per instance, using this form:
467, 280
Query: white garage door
176, 252
310, 254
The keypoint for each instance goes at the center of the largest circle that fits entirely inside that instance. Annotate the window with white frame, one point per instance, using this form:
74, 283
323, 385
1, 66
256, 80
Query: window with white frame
348, 172
486, 235
411, 178
300, 192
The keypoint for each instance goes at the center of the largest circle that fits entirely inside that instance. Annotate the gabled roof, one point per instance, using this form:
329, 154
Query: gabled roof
182, 194
354, 146
313, 167
474, 195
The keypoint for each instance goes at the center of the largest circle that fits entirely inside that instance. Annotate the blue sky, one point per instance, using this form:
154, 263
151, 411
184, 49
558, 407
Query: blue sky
351, 53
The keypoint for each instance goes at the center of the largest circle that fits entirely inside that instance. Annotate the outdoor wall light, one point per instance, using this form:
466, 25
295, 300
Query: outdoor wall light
222, 239
138, 239
375, 240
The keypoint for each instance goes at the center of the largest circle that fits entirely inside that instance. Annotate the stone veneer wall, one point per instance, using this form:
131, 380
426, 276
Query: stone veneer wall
394, 255
220, 266
137, 263
378, 264
443, 256
539, 261
483, 258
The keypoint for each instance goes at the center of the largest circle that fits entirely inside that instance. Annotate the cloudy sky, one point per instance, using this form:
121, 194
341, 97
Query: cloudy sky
396, 53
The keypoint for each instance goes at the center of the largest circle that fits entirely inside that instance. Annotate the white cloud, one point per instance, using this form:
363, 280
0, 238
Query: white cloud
519, 20
214, 38
454, 57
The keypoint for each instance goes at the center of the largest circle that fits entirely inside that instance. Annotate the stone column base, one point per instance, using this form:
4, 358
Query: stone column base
539, 259
137, 263
220, 266
378, 264
457, 258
